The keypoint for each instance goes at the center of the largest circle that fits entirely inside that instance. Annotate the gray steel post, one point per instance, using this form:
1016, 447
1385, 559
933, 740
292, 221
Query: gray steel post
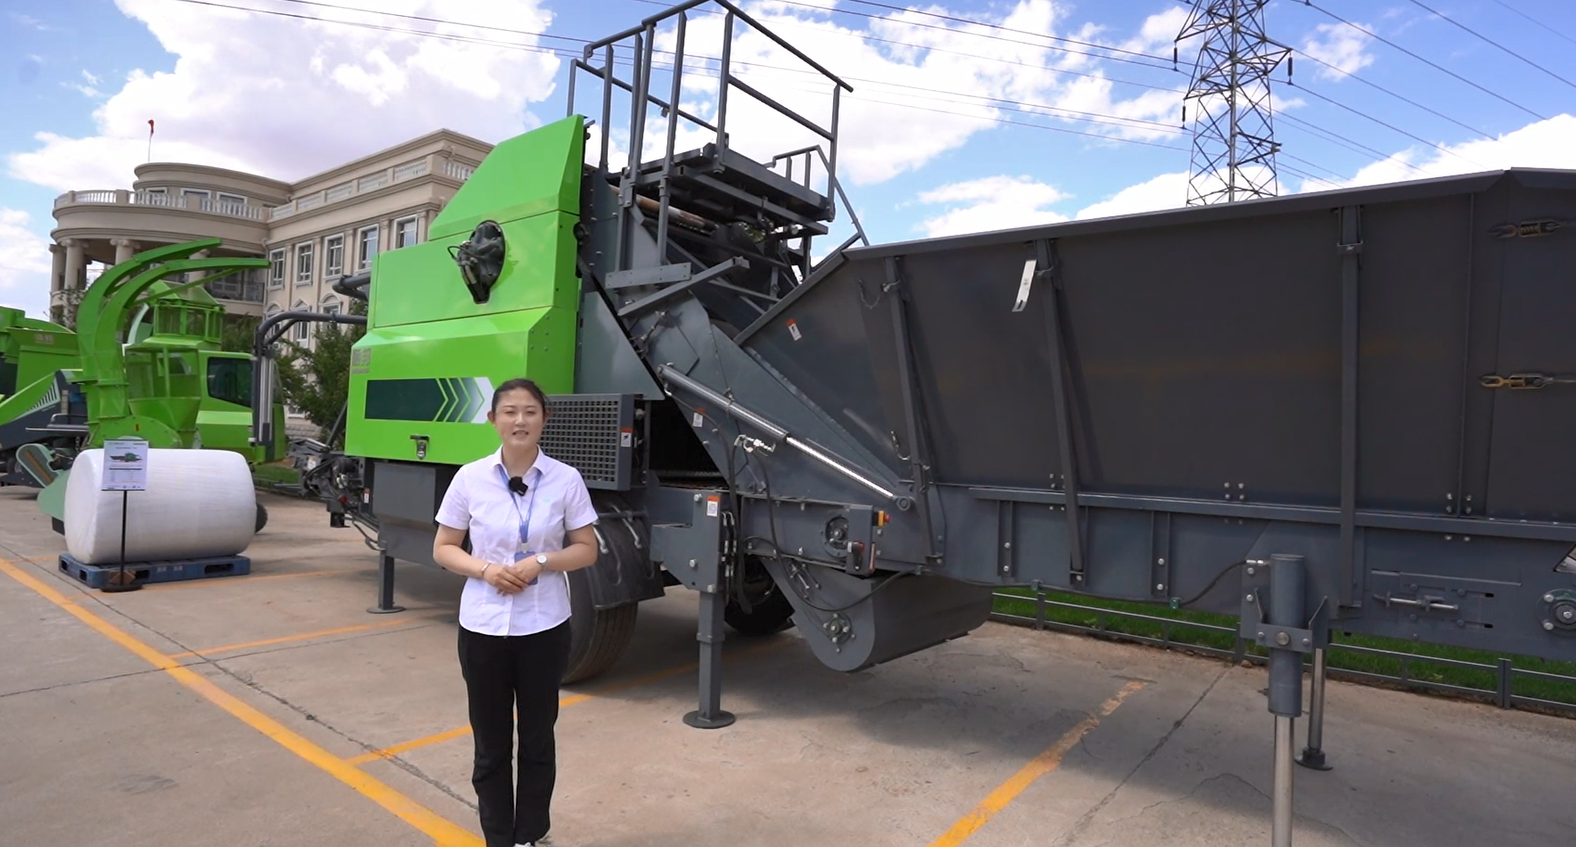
1286, 609
1313, 754
1281, 833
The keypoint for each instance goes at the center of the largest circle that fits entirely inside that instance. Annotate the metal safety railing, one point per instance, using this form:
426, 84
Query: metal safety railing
642, 48
1502, 671
639, 45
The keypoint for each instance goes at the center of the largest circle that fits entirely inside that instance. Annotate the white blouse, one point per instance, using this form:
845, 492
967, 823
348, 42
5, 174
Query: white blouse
479, 500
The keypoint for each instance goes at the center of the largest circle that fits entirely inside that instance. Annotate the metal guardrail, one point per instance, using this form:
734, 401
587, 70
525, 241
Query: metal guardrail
1504, 672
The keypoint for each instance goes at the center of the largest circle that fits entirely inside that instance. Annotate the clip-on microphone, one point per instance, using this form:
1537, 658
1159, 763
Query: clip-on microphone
518, 486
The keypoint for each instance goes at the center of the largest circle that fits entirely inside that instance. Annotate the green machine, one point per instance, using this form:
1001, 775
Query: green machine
147, 362
32, 355
867, 445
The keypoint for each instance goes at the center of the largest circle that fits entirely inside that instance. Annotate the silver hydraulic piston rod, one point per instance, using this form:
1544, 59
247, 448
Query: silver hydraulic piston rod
669, 373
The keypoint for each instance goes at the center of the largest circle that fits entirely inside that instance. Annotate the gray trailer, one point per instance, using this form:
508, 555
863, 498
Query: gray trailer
1347, 411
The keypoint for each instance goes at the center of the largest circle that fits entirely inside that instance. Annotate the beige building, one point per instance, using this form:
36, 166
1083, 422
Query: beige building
312, 231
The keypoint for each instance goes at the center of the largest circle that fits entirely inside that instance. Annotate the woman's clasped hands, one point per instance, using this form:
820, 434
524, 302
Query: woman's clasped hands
510, 579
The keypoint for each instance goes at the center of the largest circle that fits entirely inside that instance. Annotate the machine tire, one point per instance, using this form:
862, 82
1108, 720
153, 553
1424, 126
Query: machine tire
262, 519
597, 636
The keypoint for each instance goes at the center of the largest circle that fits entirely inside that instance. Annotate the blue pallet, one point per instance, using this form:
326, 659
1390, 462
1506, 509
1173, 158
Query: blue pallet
174, 570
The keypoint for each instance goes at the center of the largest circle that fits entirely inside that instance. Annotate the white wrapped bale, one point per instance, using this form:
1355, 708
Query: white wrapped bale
198, 504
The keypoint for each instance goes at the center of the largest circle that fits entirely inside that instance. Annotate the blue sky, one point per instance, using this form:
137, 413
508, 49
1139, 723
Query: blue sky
964, 114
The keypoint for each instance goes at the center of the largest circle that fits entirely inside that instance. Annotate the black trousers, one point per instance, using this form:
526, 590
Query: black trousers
505, 675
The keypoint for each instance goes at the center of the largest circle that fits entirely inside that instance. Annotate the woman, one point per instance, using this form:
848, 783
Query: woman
520, 507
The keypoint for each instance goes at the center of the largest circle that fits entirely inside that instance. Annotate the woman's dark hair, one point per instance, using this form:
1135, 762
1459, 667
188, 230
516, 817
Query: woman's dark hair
515, 385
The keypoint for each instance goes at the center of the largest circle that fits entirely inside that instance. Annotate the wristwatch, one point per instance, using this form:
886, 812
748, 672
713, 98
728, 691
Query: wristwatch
541, 559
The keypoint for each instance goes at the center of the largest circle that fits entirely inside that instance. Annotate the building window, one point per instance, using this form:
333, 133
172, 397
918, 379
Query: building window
366, 247
300, 329
194, 198
231, 204
276, 269
333, 256
303, 263
154, 197
404, 233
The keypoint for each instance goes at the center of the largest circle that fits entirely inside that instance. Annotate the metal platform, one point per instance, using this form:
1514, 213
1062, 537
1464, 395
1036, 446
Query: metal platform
176, 570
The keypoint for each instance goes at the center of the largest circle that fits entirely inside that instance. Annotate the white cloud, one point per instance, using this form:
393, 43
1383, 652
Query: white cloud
87, 87
1541, 144
286, 97
1003, 202
1341, 46
30, 22
24, 265
1166, 191
991, 203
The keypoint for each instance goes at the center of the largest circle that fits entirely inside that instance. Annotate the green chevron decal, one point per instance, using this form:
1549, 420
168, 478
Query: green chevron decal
437, 399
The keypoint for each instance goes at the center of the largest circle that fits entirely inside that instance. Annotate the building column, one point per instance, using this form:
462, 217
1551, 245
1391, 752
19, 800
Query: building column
70, 281
57, 282
57, 269
124, 249
74, 265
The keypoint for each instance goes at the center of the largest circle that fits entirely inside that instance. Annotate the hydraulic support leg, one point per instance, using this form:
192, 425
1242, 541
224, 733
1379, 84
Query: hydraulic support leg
1285, 610
1313, 754
710, 715
1274, 614
386, 603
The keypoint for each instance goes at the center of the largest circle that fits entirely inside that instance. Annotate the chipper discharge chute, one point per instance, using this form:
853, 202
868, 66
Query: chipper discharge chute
1350, 409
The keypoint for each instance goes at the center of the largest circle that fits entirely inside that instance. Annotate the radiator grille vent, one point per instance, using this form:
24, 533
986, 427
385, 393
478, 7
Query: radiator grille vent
593, 434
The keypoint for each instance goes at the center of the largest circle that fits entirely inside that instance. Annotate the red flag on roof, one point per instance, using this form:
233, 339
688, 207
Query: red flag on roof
150, 126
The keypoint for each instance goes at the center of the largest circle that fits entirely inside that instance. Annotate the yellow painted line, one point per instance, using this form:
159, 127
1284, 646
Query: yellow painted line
391, 752
289, 638
444, 833
462, 731
1040, 765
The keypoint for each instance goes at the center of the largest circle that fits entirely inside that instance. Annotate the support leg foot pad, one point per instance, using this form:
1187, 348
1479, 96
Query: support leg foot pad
1313, 760
717, 720
382, 610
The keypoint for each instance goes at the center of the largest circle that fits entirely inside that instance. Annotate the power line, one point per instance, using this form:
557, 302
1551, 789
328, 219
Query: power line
1496, 44
710, 74
1003, 39
1381, 156
439, 21
929, 48
1325, 135
1311, 5
1003, 28
565, 53
1536, 21
1093, 117
1375, 85
555, 51
1390, 126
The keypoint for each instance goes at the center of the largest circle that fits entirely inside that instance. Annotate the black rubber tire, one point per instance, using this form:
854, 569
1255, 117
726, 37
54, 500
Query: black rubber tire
597, 637
262, 519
